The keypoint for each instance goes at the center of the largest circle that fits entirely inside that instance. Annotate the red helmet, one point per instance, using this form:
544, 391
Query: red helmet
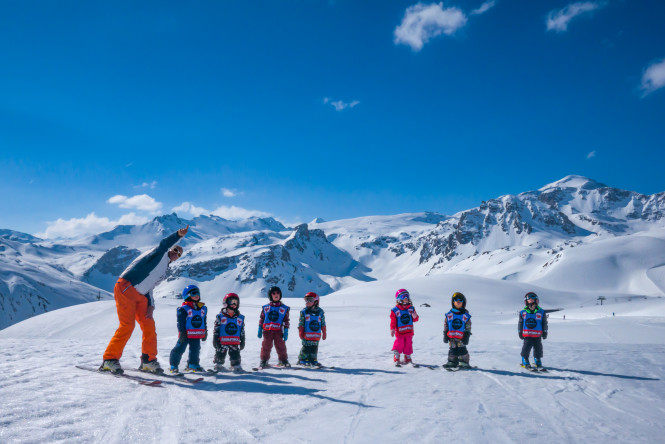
231, 296
313, 295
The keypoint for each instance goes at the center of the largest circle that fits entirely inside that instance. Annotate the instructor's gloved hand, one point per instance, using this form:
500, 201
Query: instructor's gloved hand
521, 335
465, 339
544, 335
285, 334
260, 331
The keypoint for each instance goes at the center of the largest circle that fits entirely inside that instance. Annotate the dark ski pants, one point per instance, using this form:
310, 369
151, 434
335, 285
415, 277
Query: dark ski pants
457, 351
233, 352
276, 337
179, 349
536, 344
309, 351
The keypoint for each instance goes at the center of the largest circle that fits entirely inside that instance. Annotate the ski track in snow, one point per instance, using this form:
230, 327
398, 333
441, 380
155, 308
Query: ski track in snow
606, 389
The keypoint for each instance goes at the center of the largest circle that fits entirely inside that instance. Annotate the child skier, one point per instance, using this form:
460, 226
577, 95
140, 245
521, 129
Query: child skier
229, 334
456, 332
531, 327
402, 317
312, 329
274, 328
192, 329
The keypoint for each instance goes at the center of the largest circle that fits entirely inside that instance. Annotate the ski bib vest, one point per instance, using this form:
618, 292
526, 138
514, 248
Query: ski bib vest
274, 316
195, 322
532, 323
312, 326
456, 324
229, 329
404, 320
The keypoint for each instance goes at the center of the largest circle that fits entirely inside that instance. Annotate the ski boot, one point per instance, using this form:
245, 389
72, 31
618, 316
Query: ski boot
464, 365
396, 359
539, 365
407, 359
219, 367
111, 365
450, 365
284, 363
150, 366
174, 370
316, 364
525, 364
263, 363
304, 363
237, 369
194, 368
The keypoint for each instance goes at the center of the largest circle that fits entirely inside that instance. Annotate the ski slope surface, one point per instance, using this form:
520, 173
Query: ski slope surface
605, 384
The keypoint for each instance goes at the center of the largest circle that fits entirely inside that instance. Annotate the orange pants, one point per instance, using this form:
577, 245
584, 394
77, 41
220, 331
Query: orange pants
131, 305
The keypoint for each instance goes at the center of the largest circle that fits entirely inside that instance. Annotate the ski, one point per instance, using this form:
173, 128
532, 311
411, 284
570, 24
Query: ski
178, 377
138, 379
459, 369
431, 367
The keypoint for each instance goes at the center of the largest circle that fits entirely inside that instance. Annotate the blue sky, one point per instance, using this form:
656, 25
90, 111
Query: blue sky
113, 112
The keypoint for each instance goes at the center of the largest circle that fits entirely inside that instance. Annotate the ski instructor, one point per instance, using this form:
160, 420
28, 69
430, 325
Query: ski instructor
134, 301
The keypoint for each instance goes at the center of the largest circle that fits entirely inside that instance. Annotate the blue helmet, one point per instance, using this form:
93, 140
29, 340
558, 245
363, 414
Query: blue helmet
189, 290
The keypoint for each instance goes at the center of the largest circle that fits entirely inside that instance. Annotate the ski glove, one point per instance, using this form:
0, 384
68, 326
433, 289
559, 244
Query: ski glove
301, 332
445, 338
260, 331
521, 335
285, 334
392, 332
205, 336
544, 335
182, 337
323, 333
149, 311
465, 339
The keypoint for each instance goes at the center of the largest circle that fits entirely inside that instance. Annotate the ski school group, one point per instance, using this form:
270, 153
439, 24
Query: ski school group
135, 303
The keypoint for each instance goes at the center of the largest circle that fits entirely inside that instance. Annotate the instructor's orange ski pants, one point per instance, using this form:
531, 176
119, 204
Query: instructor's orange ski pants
131, 305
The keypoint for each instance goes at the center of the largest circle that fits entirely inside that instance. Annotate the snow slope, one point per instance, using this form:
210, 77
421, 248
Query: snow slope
606, 382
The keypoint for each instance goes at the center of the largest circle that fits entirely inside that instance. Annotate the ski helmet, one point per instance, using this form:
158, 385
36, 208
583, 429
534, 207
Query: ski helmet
402, 295
190, 290
457, 296
228, 298
313, 295
273, 289
531, 295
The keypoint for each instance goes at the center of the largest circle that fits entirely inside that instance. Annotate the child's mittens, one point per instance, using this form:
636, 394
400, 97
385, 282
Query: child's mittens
323, 332
205, 337
445, 338
301, 332
285, 334
182, 336
544, 335
465, 339
414, 315
260, 335
392, 332
521, 335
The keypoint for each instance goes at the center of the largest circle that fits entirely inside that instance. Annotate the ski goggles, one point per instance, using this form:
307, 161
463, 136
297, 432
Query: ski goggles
194, 293
458, 299
310, 299
177, 251
232, 302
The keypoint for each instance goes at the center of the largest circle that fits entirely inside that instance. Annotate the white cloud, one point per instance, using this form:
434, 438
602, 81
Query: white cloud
558, 20
227, 212
653, 77
423, 22
141, 202
591, 154
150, 185
235, 213
483, 8
340, 105
189, 208
91, 224
229, 193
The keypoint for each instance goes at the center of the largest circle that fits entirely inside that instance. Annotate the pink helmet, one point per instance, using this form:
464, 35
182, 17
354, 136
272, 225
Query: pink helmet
402, 294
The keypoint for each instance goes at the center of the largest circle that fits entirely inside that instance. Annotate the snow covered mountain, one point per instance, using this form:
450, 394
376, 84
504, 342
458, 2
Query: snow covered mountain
559, 236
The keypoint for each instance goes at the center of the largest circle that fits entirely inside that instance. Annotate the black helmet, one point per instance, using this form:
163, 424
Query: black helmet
531, 295
272, 290
459, 296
